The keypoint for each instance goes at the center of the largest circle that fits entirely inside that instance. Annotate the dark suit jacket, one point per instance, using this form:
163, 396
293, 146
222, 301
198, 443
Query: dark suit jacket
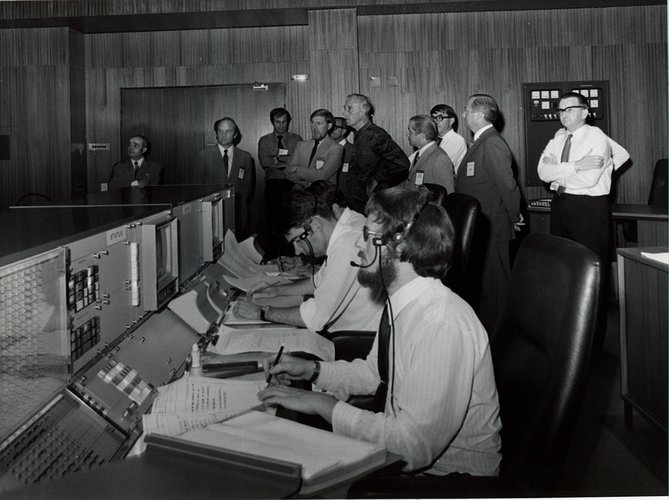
123, 174
328, 152
490, 180
208, 169
436, 166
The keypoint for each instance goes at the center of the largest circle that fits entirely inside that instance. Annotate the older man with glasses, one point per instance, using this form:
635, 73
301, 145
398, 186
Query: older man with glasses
449, 140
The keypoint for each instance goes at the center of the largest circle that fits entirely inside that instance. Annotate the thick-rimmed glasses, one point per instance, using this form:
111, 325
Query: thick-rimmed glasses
366, 233
569, 109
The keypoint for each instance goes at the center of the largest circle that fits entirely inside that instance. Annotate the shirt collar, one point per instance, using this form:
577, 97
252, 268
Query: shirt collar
408, 293
481, 130
222, 149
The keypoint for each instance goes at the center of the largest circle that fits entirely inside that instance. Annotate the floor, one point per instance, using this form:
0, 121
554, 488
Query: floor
605, 458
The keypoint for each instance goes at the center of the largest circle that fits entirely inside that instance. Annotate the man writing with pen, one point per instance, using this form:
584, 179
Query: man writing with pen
429, 368
339, 302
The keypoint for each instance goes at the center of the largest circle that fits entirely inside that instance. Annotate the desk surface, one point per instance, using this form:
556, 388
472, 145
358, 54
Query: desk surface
623, 211
636, 254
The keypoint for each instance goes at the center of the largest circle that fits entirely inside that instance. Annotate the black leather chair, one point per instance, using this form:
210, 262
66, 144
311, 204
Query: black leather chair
658, 189
541, 349
438, 191
463, 211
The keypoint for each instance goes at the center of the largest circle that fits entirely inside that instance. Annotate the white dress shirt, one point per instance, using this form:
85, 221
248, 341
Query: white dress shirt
231, 153
455, 146
340, 302
586, 141
446, 411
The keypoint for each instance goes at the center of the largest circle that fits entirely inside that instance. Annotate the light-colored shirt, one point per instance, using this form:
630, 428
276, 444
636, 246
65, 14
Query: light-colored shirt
340, 302
455, 146
230, 150
480, 131
353, 219
446, 410
586, 141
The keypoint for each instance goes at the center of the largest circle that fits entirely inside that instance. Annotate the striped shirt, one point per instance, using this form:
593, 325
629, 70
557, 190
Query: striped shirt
445, 412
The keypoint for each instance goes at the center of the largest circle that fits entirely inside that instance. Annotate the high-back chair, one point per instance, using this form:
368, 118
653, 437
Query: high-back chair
463, 211
658, 189
541, 350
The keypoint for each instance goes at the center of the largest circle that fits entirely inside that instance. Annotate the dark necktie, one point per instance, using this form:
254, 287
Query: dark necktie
225, 161
313, 152
136, 165
279, 142
470, 144
415, 160
564, 157
382, 362
439, 139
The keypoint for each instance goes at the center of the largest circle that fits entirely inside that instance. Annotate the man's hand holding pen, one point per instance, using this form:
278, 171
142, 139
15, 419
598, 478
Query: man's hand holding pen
278, 393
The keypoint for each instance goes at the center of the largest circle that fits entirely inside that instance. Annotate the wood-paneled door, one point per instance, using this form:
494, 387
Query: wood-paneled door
179, 122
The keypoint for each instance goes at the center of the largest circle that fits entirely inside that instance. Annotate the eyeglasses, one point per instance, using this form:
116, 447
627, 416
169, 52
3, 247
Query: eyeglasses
366, 233
440, 118
570, 108
302, 236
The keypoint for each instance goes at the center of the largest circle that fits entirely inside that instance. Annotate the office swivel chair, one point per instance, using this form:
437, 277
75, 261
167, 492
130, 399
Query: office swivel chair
540, 349
658, 189
463, 211
438, 193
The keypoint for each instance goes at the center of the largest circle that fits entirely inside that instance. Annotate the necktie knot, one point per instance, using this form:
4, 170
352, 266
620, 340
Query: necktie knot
136, 164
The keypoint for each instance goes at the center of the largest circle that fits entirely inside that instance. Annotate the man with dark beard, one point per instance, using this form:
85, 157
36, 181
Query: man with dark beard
429, 368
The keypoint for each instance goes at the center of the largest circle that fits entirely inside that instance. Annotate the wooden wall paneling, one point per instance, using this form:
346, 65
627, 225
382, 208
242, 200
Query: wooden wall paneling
36, 112
205, 57
496, 53
78, 168
333, 58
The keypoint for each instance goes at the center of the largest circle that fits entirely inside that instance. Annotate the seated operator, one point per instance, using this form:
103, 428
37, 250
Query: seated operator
435, 394
339, 302
331, 196
137, 170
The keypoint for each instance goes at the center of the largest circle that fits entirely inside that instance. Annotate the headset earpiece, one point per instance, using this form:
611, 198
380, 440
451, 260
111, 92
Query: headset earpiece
398, 238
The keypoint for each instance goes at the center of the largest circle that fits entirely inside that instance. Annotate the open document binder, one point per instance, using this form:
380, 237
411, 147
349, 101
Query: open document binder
279, 450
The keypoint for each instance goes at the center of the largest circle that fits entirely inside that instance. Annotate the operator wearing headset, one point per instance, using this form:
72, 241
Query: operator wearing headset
318, 158
339, 302
429, 367
225, 163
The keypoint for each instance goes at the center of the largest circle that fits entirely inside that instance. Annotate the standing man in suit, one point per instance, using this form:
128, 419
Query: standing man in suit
449, 140
340, 134
225, 163
318, 158
378, 162
429, 163
485, 173
137, 170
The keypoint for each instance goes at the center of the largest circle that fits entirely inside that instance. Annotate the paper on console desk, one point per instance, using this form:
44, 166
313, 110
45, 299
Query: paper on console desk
233, 341
662, 257
248, 282
248, 248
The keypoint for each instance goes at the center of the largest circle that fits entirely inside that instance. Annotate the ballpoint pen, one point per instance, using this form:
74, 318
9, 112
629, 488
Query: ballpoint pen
276, 361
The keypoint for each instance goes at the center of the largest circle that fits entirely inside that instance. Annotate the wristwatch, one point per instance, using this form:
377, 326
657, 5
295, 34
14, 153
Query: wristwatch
263, 313
316, 373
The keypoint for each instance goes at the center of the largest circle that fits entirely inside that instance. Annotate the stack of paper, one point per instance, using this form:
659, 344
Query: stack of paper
194, 402
244, 272
234, 341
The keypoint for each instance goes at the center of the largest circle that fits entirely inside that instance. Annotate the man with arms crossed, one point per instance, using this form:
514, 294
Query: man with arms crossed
377, 162
318, 158
339, 302
438, 401
578, 163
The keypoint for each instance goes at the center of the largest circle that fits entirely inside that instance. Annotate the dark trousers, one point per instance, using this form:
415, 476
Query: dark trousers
273, 242
585, 220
